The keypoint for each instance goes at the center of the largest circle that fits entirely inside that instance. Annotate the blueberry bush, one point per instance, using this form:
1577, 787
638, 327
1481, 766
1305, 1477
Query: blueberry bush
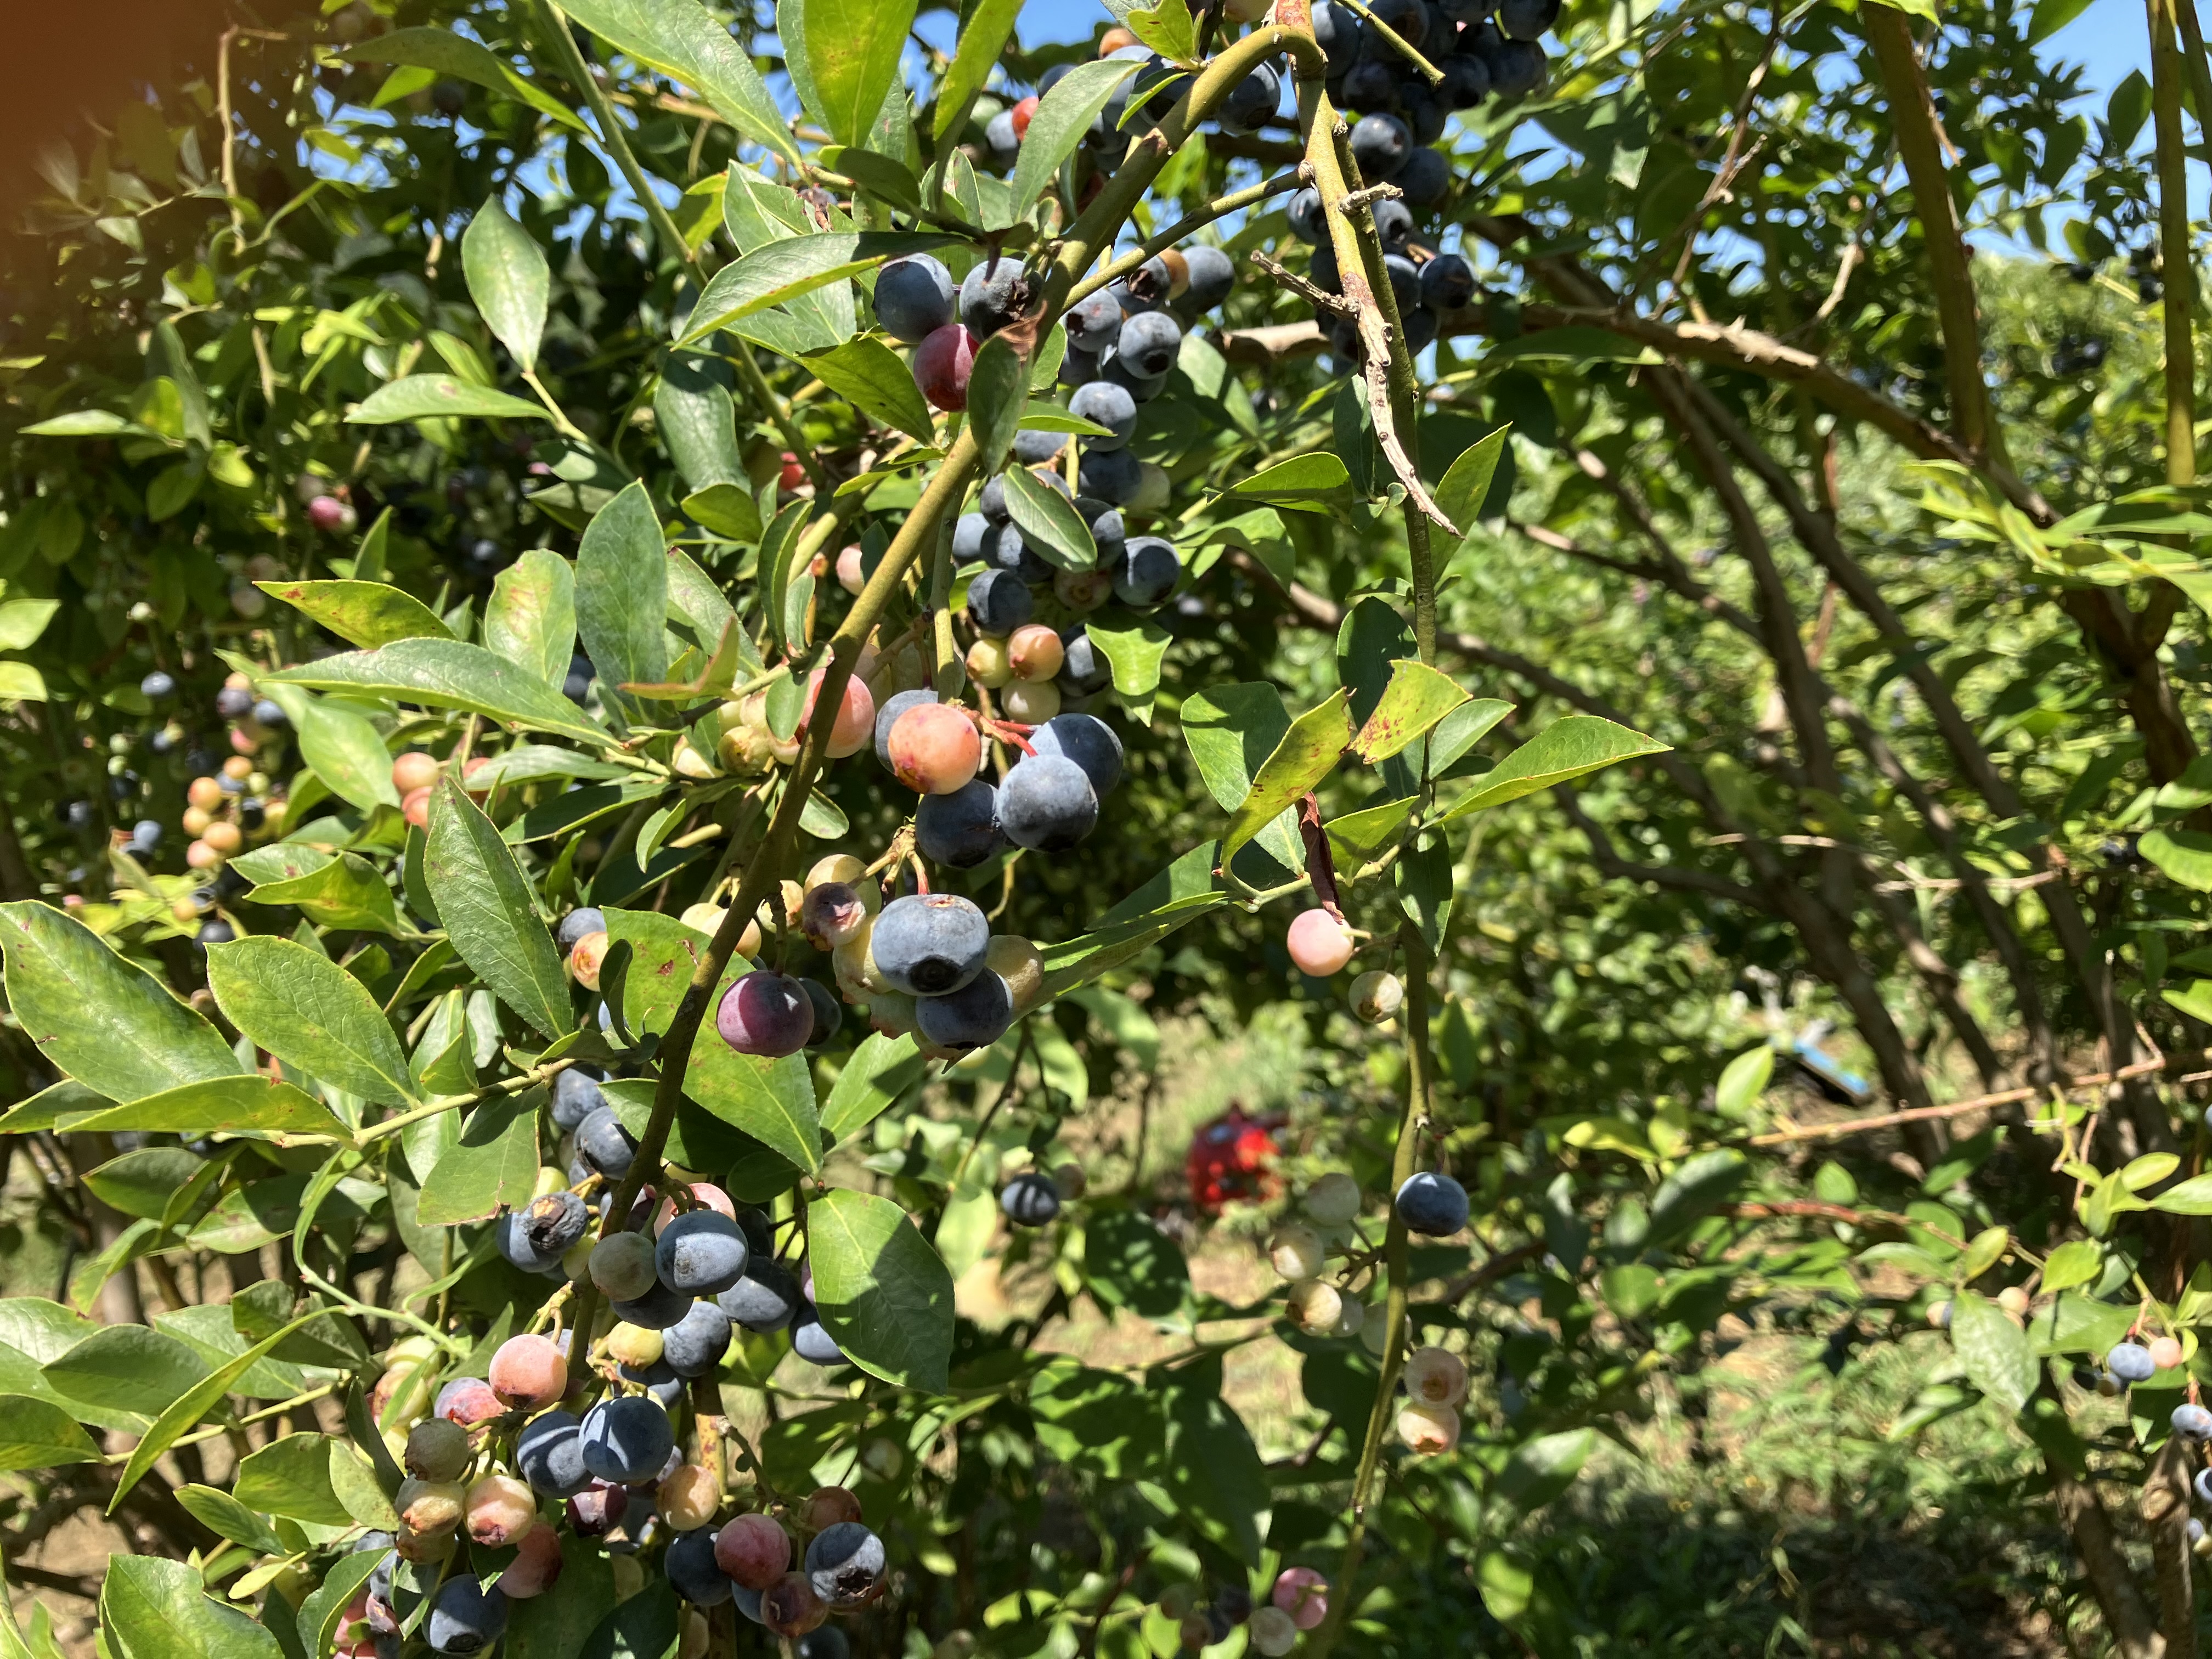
666, 670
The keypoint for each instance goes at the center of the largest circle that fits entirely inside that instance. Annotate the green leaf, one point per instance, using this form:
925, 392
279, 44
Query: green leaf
1697, 1185
531, 619
2127, 109
1542, 1469
343, 748
90, 424
291, 1478
726, 510
2190, 1197
186, 1411
788, 583
1058, 124
493, 1166
438, 397
843, 56
2052, 15
695, 415
1231, 730
366, 614
100, 1019
880, 1070
1050, 526
2184, 855
2196, 1001
984, 33
445, 52
21, 622
508, 279
1130, 1263
1422, 881
1312, 481
1308, 753
153, 1608
1568, 749
489, 913
225, 1516
1358, 838
37, 1434
682, 38
312, 1014
1461, 729
1133, 647
871, 376
1168, 28
143, 1182
1416, 697
891, 181
783, 270
772, 1100
1998, 1358
883, 1292
998, 391
1466, 483
2077, 1261
622, 597
126, 1368
1210, 1467
21, 683
344, 891
1743, 1080
225, 1105
450, 674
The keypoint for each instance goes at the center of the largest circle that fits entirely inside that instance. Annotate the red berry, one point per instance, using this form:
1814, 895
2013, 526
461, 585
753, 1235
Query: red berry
793, 474
825, 1506
935, 748
1022, 112
753, 1550
536, 1565
766, 1014
856, 715
529, 1373
942, 364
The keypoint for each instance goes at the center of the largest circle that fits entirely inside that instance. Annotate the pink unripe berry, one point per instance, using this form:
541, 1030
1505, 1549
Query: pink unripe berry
2165, 1352
831, 914
413, 770
825, 1506
1303, 1593
855, 723
326, 513
529, 1373
766, 1014
942, 364
1428, 1430
499, 1509
935, 748
706, 1194
415, 807
1319, 943
536, 1565
1021, 114
1035, 652
850, 576
585, 957
688, 1496
468, 1400
754, 1550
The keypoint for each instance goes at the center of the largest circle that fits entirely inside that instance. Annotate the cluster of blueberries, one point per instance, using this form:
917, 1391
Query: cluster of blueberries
2130, 1362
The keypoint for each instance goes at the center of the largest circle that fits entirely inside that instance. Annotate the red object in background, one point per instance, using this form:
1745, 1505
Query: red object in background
1233, 1157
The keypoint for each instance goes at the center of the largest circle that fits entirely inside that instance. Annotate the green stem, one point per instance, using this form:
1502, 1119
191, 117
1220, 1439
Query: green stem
1219, 206
513, 1085
566, 427
1398, 42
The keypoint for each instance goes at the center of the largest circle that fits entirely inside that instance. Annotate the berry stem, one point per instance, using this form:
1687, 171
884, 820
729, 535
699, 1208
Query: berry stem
1429, 71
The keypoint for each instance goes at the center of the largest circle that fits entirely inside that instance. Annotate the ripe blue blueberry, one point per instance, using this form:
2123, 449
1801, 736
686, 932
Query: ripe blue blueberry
928, 944
1393, 225
913, 298
1080, 368
1467, 84
1107, 529
1084, 668
748, 1602
1426, 177
1371, 80
2203, 1483
1029, 1200
701, 1252
1405, 281
1433, 1203
1087, 740
1212, 275
1517, 68
1447, 282
466, 1618
158, 687
764, 1299
960, 830
575, 1096
971, 536
603, 1143
1115, 370
1526, 20
691, 1569
1093, 324
269, 712
2130, 1362
660, 1307
146, 834
1380, 143
549, 1453
999, 602
1111, 475
1035, 447
553, 1222
1109, 406
1010, 551
579, 924
1307, 222
1148, 572
827, 1643
1252, 101
234, 703
1149, 343
659, 1381
973, 1017
995, 291
1340, 34
810, 1342
2194, 1421
626, 1439
828, 1015
1046, 804
845, 1564
215, 932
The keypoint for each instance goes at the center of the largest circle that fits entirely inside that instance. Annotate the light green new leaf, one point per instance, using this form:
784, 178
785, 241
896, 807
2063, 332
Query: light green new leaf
1134, 647
1743, 1080
531, 617
489, 913
445, 52
783, 270
363, 613
2183, 855
881, 1291
1313, 482
493, 1163
153, 1608
345, 892
1307, 754
91, 423
452, 674
21, 622
1057, 125
37, 1434
225, 1516
2077, 1261
1567, 749
312, 1014
843, 56
508, 279
1998, 1358
2190, 1197
871, 376
1168, 28
1416, 697
622, 597
343, 748
102, 1020
225, 1105
435, 396
681, 38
